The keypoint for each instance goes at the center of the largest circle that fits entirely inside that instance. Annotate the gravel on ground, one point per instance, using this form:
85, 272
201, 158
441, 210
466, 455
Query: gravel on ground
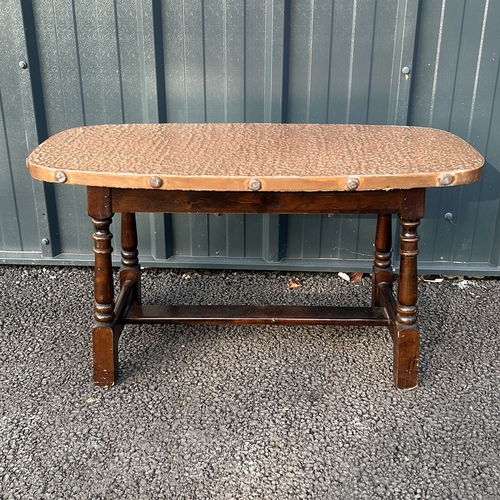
218, 412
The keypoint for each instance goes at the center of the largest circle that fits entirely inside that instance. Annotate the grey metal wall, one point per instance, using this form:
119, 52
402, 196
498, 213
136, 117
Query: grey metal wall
318, 61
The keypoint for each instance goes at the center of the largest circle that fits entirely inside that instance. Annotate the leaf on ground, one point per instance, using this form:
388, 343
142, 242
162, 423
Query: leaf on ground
351, 277
294, 283
432, 279
356, 277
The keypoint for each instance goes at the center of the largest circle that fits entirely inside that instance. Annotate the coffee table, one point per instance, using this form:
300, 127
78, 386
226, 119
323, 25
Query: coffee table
248, 169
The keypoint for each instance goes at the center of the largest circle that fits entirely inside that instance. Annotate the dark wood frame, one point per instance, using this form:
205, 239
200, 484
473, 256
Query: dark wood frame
398, 313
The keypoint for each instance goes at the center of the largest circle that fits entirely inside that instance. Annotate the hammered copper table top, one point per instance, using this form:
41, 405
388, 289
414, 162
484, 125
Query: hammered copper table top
266, 157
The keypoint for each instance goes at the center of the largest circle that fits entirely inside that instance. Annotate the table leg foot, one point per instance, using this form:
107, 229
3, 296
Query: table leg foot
405, 367
105, 347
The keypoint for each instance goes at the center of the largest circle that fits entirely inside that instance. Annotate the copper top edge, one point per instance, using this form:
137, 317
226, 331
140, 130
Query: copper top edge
274, 157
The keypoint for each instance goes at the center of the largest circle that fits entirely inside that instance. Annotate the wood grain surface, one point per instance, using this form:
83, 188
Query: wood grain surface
264, 157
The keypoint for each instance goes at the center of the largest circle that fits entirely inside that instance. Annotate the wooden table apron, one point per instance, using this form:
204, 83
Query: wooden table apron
399, 313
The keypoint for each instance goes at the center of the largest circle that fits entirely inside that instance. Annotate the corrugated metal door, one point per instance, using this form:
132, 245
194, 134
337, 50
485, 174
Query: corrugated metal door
321, 61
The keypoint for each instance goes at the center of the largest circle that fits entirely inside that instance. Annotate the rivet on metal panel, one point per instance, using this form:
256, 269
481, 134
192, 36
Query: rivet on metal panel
254, 185
61, 177
23, 64
45, 241
352, 183
448, 216
155, 182
446, 179
406, 71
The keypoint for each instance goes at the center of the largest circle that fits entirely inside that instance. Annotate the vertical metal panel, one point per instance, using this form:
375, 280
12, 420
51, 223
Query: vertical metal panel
345, 59
490, 204
223, 60
456, 82
404, 49
225, 69
24, 215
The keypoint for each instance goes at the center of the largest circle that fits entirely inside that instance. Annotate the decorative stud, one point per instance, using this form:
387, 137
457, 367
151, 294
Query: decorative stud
254, 185
61, 177
155, 182
446, 179
352, 183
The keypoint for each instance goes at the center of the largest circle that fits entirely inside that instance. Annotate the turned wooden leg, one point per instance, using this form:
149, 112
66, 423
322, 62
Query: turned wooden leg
130, 270
105, 342
405, 331
104, 336
382, 270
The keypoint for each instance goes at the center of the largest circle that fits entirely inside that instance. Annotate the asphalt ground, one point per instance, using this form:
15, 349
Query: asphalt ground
215, 412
